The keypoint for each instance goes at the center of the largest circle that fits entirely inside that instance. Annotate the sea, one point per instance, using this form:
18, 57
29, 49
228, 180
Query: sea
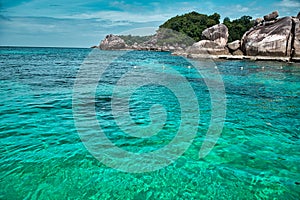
79, 123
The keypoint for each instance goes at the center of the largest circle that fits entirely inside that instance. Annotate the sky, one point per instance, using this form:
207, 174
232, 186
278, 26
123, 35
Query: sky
84, 23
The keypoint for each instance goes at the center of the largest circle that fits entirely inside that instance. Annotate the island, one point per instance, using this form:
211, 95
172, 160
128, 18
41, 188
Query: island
195, 35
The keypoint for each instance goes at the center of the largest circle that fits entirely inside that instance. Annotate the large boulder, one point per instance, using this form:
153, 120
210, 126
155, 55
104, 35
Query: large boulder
296, 42
269, 40
258, 21
112, 42
217, 33
207, 47
271, 16
234, 45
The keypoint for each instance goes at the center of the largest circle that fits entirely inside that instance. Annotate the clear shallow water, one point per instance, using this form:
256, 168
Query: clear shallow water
42, 156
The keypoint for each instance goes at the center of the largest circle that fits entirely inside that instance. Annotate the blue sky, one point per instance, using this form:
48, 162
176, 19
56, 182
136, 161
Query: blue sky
83, 23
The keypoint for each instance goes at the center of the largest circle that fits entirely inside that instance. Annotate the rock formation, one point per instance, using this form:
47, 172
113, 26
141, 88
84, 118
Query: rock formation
269, 40
274, 38
112, 42
258, 21
271, 16
217, 33
163, 40
237, 52
296, 38
207, 47
234, 45
214, 41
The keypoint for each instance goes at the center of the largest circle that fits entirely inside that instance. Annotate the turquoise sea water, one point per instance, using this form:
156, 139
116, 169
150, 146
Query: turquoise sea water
42, 156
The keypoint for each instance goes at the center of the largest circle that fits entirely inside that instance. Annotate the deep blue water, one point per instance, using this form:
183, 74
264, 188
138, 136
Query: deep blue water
43, 157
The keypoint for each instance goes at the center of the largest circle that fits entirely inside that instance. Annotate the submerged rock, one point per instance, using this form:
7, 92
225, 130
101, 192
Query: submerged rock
112, 42
217, 33
269, 40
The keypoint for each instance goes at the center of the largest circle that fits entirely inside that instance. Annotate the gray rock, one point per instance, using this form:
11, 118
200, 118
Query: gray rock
296, 42
207, 44
217, 33
165, 48
234, 45
271, 16
112, 42
207, 47
258, 21
237, 52
171, 48
267, 23
298, 16
135, 47
269, 40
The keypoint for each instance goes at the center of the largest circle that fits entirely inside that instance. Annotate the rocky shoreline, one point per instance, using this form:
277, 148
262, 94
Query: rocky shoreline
270, 39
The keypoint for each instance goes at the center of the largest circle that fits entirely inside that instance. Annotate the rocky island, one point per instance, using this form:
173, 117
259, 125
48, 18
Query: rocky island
269, 38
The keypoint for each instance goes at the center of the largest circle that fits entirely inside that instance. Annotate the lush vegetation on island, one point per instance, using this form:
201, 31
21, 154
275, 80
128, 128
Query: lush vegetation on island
188, 28
131, 39
237, 27
192, 24
174, 38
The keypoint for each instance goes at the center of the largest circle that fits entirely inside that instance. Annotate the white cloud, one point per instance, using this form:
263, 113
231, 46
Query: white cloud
239, 8
289, 4
44, 31
133, 6
120, 15
140, 31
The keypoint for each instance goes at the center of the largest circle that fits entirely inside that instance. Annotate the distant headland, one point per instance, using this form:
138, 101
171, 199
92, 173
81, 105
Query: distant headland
197, 35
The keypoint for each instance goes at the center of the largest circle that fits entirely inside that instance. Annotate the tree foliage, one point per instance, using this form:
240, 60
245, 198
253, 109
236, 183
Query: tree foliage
238, 27
174, 38
131, 39
192, 24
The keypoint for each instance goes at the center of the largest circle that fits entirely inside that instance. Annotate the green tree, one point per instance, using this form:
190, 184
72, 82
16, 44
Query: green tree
192, 24
216, 17
237, 27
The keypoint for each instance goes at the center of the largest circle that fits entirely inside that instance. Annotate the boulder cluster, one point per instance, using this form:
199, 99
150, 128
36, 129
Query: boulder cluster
112, 42
214, 41
270, 37
273, 37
